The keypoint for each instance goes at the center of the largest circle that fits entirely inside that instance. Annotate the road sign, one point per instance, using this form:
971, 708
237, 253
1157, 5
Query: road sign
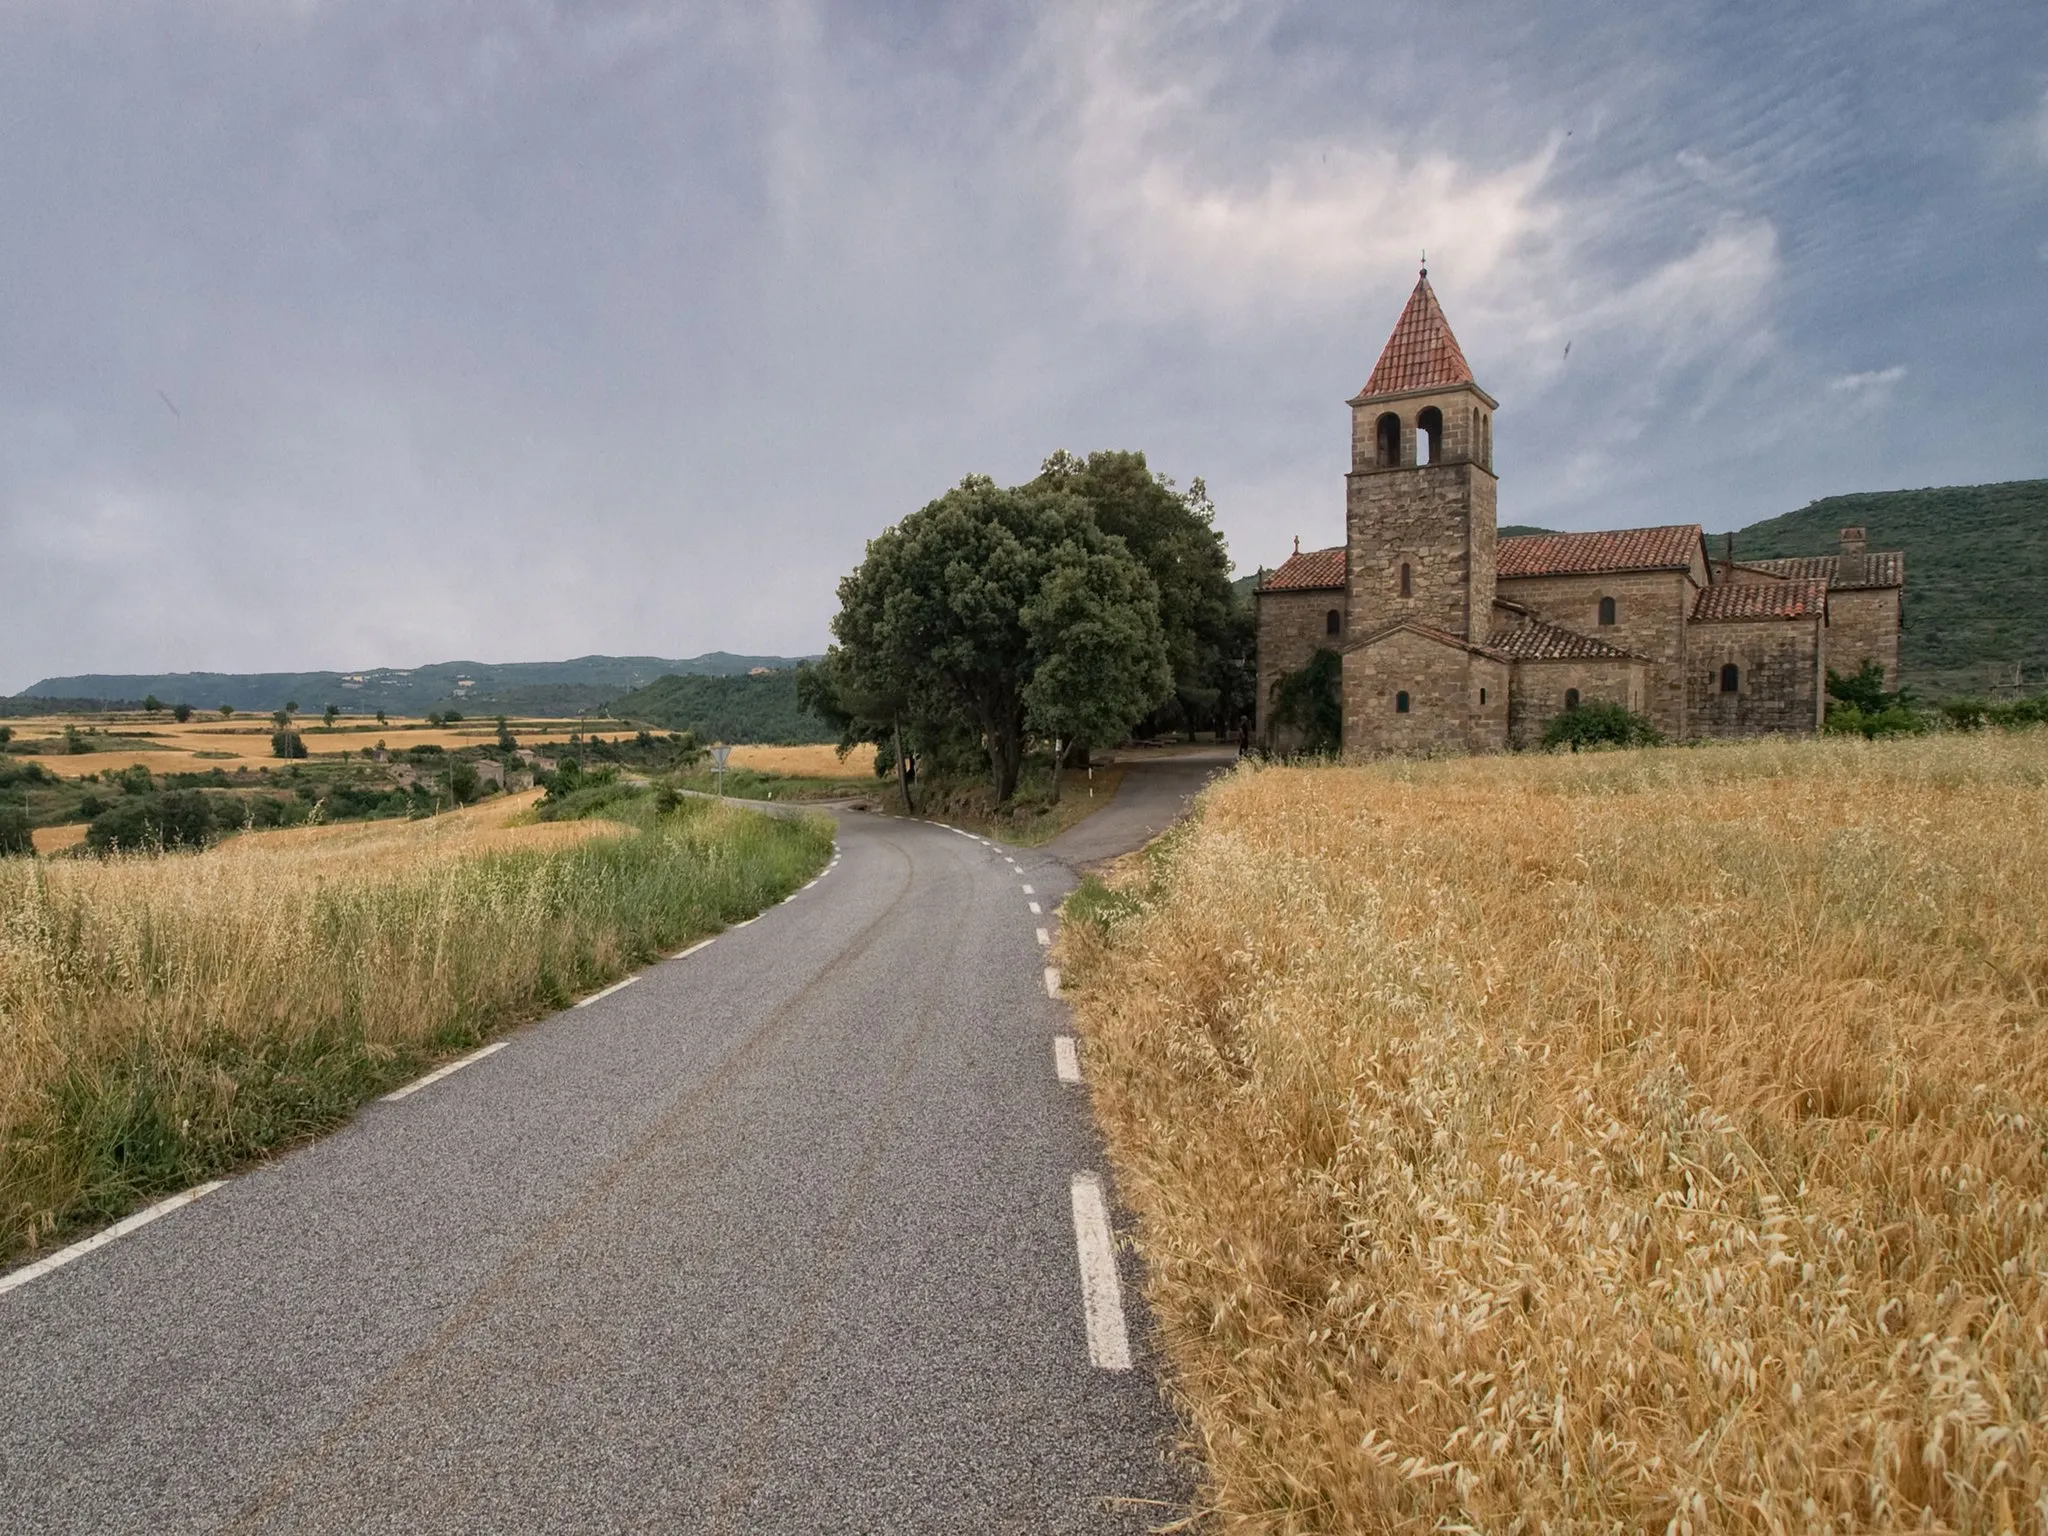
719, 752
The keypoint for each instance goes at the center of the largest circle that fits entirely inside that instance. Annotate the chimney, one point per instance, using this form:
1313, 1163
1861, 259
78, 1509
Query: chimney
1852, 541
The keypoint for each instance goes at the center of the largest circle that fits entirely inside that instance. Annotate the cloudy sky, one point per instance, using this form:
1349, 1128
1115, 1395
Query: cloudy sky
378, 332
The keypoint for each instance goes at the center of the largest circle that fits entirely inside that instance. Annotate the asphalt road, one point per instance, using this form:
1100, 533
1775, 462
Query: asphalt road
780, 1238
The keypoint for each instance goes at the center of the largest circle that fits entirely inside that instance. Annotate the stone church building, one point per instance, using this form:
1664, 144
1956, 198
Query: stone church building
1453, 638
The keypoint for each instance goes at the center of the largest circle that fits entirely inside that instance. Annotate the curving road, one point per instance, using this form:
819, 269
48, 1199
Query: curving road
785, 1236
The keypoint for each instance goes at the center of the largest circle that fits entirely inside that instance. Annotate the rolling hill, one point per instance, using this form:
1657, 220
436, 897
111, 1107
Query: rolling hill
522, 688
759, 709
1976, 574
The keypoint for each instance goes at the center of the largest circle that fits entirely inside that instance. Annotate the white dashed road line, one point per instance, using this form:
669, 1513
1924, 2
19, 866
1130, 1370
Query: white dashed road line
683, 954
1034, 909
119, 1229
1052, 981
1044, 938
1109, 1345
457, 1065
1029, 892
1065, 1061
616, 986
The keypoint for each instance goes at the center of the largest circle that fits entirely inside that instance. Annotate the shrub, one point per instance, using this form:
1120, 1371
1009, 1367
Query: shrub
1600, 723
1312, 701
1859, 706
15, 837
287, 743
181, 819
74, 741
6, 734
181, 712
464, 783
135, 780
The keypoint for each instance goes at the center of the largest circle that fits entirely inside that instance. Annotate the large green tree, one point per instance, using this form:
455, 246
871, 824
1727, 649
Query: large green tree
1098, 649
954, 613
1173, 535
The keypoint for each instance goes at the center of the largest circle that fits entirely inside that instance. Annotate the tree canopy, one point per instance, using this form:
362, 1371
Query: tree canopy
988, 615
1209, 632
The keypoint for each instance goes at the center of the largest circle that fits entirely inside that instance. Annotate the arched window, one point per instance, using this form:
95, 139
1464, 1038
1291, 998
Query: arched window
1429, 436
1407, 580
1472, 446
1482, 695
1606, 610
1571, 698
1388, 436
1333, 621
1401, 703
1731, 678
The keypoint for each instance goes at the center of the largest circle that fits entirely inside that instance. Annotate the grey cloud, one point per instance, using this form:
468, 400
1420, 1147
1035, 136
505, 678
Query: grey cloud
534, 329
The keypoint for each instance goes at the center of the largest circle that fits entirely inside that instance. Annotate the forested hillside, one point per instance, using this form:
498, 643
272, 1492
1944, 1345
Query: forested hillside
761, 708
1976, 574
520, 688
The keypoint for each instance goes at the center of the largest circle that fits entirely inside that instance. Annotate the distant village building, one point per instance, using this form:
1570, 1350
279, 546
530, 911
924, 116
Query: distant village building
1454, 638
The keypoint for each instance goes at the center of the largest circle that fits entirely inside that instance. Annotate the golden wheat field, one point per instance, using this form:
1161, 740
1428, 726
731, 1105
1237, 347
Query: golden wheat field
813, 762
1642, 1141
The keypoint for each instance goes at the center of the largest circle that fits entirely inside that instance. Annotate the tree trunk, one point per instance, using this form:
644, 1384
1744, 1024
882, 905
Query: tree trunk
902, 777
1060, 761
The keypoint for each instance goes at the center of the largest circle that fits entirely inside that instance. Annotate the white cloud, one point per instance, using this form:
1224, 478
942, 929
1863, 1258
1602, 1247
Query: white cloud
1291, 228
1872, 382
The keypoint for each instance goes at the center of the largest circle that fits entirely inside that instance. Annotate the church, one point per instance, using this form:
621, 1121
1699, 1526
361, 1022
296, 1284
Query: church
1455, 639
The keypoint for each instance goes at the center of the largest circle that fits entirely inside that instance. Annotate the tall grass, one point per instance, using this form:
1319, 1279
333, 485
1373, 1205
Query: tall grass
165, 1018
1634, 1141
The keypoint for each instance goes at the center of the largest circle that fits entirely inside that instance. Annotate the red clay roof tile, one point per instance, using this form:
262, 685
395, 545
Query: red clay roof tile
1588, 554
1878, 568
1307, 570
1535, 640
1422, 353
1761, 600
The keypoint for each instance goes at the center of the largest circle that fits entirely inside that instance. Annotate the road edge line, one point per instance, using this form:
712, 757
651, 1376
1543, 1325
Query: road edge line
119, 1229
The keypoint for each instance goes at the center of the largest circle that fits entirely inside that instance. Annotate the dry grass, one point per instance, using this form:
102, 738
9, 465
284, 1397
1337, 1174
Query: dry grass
1647, 1141
164, 1018
814, 762
172, 748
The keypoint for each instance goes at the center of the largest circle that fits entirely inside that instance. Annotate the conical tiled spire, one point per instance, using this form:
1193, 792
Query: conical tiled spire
1422, 353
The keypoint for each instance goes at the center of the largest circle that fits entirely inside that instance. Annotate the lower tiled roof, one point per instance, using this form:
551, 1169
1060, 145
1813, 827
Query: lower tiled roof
1589, 554
1878, 568
1761, 600
1307, 570
1535, 640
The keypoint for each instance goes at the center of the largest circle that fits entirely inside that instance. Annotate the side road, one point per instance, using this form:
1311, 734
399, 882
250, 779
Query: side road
793, 1233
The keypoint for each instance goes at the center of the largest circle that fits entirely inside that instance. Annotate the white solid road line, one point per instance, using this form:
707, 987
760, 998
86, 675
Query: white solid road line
1044, 938
1034, 909
597, 996
120, 1228
1052, 981
454, 1066
1102, 1298
1064, 1061
700, 944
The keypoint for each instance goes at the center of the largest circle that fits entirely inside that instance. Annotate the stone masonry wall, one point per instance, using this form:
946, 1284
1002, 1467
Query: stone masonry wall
1781, 683
1540, 686
1292, 628
1439, 521
1864, 625
1442, 686
1651, 610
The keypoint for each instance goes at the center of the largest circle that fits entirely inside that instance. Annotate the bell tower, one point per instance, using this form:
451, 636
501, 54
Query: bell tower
1419, 503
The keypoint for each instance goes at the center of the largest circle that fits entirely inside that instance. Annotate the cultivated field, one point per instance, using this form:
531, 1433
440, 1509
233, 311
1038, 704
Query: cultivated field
163, 1018
162, 745
816, 762
1622, 1142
